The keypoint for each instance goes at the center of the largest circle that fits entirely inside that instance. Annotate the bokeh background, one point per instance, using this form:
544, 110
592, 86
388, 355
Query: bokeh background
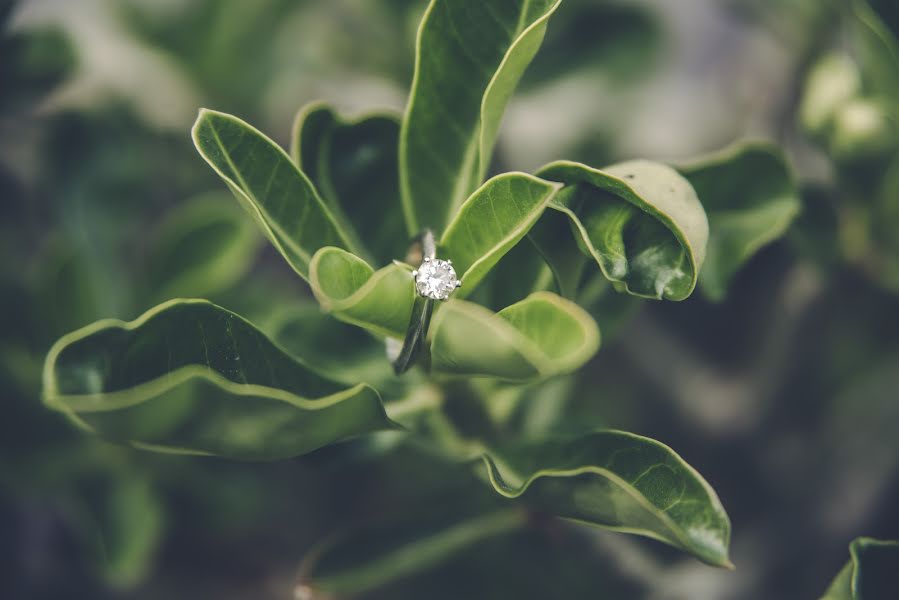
785, 395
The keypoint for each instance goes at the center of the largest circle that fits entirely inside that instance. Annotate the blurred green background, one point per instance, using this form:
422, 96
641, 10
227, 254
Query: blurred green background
785, 395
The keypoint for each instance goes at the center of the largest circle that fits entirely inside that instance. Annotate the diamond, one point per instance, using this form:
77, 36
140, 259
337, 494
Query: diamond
436, 279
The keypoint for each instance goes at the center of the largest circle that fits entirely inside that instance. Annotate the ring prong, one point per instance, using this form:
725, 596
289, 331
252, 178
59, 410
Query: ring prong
427, 259
458, 284
415, 273
449, 262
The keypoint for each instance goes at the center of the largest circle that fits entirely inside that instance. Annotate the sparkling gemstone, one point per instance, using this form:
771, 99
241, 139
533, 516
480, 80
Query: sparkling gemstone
436, 279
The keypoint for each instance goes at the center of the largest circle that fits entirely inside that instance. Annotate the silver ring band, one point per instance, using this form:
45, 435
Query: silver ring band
434, 279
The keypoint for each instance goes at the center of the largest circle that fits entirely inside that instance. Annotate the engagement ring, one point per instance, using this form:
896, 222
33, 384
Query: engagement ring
435, 279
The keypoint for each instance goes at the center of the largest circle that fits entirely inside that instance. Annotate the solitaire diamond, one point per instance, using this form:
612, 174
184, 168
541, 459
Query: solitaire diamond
436, 279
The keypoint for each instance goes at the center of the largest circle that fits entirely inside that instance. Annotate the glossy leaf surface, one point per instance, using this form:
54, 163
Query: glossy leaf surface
351, 290
469, 58
640, 221
541, 336
620, 481
493, 219
191, 377
751, 200
272, 189
353, 164
872, 572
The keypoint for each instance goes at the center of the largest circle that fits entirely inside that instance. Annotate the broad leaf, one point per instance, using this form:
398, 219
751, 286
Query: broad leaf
348, 288
188, 376
751, 200
872, 572
353, 164
640, 221
493, 219
202, 248
620, 481
272, 189
469, 58
541, 336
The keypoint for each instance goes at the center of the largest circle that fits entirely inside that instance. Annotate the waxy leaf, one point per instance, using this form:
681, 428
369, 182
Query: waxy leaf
872, 572
750, 199
491, 222
189, 376
620, 481
352, 291
469, 58
641, 222
353, 164
270, 186
202, 248
541, 336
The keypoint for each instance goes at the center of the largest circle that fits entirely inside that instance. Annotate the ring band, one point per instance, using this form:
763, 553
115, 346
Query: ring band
434, 279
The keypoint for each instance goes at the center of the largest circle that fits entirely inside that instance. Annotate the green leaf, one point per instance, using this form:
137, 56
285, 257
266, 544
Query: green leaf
272, 189
493, 219
872, 572
191, 377
541, 336
751, 200
640, 221
348, 288
201, 248
353, 163
368, 558
620, 481
469, 58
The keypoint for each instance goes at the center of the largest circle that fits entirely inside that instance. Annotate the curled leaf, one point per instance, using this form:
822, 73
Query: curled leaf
348, 288
272, 189
620, 481
541, 336
191, 377
640, 221
872, 572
